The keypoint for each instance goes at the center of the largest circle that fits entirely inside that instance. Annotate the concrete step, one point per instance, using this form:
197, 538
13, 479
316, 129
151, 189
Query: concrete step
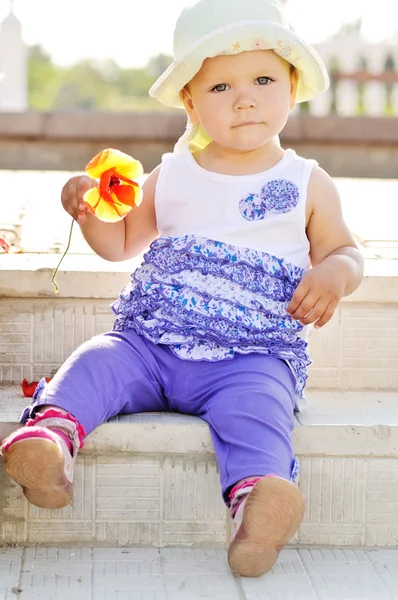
191, 574
358, 349
152, 480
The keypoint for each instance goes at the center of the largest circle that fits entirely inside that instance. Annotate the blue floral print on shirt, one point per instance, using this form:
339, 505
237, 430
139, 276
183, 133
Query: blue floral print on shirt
277, 196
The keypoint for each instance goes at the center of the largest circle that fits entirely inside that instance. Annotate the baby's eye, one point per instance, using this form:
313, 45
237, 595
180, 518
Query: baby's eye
221, 87
263, 80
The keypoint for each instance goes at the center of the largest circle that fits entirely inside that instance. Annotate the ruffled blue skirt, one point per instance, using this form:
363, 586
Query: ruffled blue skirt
208, 300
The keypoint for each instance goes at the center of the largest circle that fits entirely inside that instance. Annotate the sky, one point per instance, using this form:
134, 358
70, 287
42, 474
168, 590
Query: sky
131, 31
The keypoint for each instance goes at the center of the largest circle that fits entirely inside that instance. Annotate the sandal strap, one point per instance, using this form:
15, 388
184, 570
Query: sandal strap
56, 419
59, 423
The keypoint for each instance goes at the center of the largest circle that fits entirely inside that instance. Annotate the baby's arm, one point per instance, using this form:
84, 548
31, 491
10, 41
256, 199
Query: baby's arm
114, 241
337, 263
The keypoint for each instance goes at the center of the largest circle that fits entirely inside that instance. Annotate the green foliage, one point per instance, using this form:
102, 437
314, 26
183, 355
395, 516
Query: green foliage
157, 65
361, 109
43, 80
334, 68
389, 67
91, 85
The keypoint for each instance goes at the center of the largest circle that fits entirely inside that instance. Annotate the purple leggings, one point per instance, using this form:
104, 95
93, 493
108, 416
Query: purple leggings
248, 401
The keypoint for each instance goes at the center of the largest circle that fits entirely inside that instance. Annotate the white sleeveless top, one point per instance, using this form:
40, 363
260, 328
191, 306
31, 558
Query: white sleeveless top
232, 249
265, 211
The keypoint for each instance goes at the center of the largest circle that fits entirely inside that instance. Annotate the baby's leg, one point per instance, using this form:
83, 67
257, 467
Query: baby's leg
251, 421
110, 374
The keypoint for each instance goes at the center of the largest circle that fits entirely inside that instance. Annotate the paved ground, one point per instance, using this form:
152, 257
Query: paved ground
187, 574
30, 210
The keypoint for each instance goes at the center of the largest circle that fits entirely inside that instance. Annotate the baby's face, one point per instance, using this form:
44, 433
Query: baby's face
242, 100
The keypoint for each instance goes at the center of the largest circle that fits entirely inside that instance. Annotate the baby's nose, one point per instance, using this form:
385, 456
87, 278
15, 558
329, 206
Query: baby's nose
245, 103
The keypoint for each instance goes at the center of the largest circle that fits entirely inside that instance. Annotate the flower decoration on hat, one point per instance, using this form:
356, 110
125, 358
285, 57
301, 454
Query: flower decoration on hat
259, 45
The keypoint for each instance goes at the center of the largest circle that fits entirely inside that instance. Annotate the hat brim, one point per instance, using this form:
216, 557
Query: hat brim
238, 37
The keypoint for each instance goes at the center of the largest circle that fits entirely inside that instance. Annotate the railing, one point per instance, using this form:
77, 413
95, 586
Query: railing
363, 80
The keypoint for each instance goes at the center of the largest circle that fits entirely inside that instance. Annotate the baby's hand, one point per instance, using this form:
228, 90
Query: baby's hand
317, 295
72, 196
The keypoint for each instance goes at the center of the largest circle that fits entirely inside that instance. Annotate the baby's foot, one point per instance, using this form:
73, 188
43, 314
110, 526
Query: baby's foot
41, 457
262, 522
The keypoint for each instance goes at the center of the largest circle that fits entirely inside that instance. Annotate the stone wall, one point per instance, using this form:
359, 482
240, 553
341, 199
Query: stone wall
345, 147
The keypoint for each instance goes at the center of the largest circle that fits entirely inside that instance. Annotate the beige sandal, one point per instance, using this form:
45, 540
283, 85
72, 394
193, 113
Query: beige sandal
265, 521
39, 459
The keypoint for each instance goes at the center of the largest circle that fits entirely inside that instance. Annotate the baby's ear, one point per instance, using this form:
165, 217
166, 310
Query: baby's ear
294, 81
186, 99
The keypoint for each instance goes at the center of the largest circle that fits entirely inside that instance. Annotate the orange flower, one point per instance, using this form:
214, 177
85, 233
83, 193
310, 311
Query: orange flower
118, 192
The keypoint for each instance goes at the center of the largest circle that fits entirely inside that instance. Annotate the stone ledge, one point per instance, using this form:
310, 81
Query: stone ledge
152, 480
169, 125
344, 146
89, 276
337, 423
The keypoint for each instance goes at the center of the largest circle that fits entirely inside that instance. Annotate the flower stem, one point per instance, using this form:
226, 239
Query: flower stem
55, 284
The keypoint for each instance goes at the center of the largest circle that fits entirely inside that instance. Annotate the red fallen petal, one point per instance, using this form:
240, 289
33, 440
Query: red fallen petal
5, 245
30, 388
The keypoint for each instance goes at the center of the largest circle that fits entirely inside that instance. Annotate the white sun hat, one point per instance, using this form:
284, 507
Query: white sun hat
208, 28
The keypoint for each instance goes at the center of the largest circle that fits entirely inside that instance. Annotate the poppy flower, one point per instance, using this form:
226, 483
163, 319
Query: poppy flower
116, 194
30, 388
118, 191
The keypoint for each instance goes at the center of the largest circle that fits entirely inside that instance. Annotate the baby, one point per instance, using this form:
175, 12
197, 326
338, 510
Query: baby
247, 249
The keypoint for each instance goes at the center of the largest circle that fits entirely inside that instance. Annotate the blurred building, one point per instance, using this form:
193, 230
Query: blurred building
13, 65
364, 76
